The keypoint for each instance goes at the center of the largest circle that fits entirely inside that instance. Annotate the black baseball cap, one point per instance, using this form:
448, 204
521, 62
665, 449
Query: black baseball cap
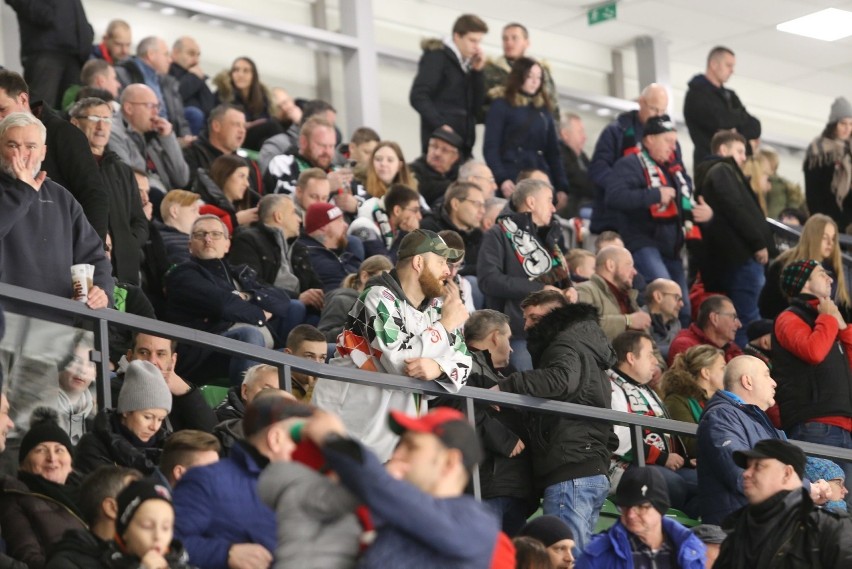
783, 451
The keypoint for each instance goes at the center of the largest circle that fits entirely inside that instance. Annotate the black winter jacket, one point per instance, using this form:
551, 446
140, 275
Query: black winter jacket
54, 26
106, 444
443, 94
78, 549
193, 89
570, 354
432, 185
128, 225
472, 239
232, 407
177, 558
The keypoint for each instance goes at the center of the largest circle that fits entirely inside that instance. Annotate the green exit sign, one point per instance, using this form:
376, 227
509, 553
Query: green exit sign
601, 13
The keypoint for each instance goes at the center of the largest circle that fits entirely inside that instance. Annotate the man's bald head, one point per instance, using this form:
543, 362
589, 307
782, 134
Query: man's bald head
748, 377
653, 102
614, 264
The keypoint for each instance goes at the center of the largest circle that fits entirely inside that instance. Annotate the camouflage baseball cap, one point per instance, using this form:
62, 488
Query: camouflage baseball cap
422, 241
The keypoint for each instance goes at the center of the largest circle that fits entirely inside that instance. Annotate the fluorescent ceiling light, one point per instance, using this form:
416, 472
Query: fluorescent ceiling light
830, 24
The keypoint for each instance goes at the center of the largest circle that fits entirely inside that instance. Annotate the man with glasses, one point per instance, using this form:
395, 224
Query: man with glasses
207, 293
128, 226
477, 172
643, 536
438, 168
664, 299
716, 325
146, 142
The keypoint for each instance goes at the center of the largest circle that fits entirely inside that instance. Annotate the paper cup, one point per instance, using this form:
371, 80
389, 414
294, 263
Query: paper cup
80, 282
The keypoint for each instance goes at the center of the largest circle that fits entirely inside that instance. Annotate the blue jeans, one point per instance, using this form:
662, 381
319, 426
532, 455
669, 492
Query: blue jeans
512, 512
520, 359
578, 503
195, 118
237, 366
813, 432
652, 265
743, 285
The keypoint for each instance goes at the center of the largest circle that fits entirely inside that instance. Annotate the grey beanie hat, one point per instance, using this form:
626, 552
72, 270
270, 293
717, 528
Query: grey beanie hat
143, 388
840, 109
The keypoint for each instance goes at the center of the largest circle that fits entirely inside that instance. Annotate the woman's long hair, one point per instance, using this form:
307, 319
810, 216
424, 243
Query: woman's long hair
515, 82
374, 185
255, 100
682, 377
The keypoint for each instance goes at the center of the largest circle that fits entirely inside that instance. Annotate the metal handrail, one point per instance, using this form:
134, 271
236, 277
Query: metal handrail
17, 296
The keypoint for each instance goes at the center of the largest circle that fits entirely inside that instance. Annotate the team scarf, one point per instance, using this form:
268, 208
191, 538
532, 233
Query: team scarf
643, 401
540, 264
655, 177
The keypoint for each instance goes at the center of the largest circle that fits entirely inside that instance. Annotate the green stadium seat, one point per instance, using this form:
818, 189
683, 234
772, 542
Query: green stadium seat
213, 394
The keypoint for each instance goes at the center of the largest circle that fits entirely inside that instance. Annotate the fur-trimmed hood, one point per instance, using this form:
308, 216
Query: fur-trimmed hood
680, 382
431, 44
572, 324
520, 100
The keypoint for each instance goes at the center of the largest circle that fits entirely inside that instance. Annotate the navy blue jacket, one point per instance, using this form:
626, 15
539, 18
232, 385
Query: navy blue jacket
329, 267
628, 192
217, 506
201, 295
522, 138
726, 426
611, 549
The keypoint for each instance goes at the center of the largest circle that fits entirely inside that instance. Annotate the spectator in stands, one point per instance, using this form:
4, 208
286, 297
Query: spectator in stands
477, 172
643, 531
241, 86
783, 193
308, 343
760, 340
716, 325
611, 291
819, 241
198, 100
493, 208
131, 434
179, 210
582, 263
634, 369
313, 186
506, 470
811, 357
571, 457
100, 74
710, 107
781, 520
68, 160
836, 478
339, 302
316, 150
128, 227
226, 187
427, 473
84, 548
359, 151
41, 220
516, 42
437, 168
737, 241
146, 142
55, 42
449, 87
317, 522
620, 138
581, 189
690, 382
209, 294
37, 507
456, 265
520, 255
756, 170
189, 410
332, 254
115, 43
383, 222
520, 132
287, 112
270, 248
71, 398
425, 341
143, 529
286, 142
530, 553
654, 193
225, 134
664, 300
183, 451
556, 536
386, 168
150, 66
608, 239
256, 379
464, 204
220, 517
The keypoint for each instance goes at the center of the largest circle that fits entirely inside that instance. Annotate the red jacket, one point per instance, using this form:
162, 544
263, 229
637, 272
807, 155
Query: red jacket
694, 336
812, 346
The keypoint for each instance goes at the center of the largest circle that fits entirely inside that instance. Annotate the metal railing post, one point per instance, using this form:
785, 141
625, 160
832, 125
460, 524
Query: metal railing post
637, 437
470, 411
285, 378
100, 355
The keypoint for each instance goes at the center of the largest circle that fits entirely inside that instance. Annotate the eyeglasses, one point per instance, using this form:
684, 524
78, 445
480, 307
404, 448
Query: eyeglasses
676, 296
202, 235
96, 120
731, 315
478, 204
149, 106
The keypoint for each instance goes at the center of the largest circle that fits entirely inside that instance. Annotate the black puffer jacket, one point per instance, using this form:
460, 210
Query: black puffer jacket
177, 558
570, 354
232, 407
106, 444
78, 549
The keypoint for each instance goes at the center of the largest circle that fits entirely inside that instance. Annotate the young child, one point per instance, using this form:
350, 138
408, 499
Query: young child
144, 529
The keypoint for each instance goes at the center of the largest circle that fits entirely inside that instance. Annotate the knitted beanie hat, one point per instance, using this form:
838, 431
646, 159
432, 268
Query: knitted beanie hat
795, 276
143, 388
44, 428
840, 109
547, 529
133, 496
